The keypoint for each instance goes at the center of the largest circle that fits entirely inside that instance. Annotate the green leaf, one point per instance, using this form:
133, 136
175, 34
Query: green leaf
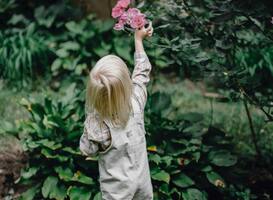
72, 151
155, 158
27, 173
62, 53
49, 144
49, 184
30, 193
98, 196
79, 193
58, 193
51, 189
50, 154
74, 27
182, 180
215, 179
56, 64
64, 173
222, 158
161, 175
164, 188
70, 45
193, 194
80, 177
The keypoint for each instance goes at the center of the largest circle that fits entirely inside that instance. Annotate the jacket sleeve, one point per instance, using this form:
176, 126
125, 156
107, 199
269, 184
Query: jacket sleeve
95, 138
141, 77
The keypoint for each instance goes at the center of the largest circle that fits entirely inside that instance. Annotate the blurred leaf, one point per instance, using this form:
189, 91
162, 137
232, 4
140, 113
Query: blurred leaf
182, 180
193, 194
79, 193
222, 158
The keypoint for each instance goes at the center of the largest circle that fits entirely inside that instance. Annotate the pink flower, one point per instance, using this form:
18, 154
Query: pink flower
119, 26
123, 18
123, 3
133, 11
272, 20
138, 21
117, 11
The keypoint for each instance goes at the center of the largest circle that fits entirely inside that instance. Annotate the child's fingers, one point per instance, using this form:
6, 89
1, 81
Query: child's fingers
149, 27
150, 33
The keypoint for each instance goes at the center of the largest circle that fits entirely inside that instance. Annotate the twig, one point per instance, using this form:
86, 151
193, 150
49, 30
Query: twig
253, 133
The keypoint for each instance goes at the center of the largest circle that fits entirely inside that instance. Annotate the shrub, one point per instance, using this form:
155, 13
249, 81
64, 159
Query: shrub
188, 160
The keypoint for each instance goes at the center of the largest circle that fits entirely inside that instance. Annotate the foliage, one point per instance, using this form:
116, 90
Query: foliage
22, 54
228, 43
52, 140
191, 162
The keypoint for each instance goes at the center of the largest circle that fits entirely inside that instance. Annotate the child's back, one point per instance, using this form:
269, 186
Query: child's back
123, 162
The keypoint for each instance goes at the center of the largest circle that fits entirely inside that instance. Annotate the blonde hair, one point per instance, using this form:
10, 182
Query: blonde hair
109, 90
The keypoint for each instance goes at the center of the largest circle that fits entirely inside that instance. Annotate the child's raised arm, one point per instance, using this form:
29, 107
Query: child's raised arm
141, 73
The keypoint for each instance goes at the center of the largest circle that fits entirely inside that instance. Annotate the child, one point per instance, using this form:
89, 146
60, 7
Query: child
114, 126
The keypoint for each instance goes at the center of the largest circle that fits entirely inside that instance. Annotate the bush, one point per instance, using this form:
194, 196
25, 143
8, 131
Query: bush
187, 159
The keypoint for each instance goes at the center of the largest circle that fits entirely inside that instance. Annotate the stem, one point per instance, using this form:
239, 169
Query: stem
211, 112
253, 133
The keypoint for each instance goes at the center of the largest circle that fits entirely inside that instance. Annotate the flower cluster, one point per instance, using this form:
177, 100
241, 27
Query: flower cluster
127, 16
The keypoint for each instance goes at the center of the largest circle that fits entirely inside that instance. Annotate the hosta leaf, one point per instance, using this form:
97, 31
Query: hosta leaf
167, 160
48, 123
161, 176
193, 194
80, 177
164, 188
58, 192
72, 151
27, 173
30, 193
70, 45
79, 193
155, 158
182, 180
98, 196
49, 144
64, 173
222, 158
50, 154
52, 190
49, 184
56, 64
215, 179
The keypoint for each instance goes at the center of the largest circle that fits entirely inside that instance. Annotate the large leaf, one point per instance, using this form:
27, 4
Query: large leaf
30, 193
49, 184
161, 175
193, 194
182, 180
222, 158
79, 193
215, 179
52, 189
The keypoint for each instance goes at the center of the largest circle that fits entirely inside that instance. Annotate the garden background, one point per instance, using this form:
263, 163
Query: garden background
209, 113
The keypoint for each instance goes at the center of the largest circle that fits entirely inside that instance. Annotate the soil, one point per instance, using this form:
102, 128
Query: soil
12, 159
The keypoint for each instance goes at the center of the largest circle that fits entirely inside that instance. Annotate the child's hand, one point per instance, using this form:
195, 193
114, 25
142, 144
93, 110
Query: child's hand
140, 34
